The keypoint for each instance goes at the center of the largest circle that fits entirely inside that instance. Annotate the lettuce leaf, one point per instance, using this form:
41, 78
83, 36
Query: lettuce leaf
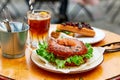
64, 31
78, 60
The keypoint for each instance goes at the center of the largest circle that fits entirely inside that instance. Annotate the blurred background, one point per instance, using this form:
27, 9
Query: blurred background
104, 15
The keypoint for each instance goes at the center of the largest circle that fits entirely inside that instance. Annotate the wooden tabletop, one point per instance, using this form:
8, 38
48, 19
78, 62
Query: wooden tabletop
24, 69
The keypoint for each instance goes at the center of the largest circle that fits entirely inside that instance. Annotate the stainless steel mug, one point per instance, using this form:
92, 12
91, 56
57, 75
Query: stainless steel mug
13, 43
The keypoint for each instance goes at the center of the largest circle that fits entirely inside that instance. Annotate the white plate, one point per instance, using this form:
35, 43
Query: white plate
89, 65
99, 35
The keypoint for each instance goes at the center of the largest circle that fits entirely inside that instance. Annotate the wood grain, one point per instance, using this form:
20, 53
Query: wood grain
24, 69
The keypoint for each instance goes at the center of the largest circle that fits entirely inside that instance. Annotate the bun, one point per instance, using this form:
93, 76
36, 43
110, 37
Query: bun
66, 47
80, 28
65, 52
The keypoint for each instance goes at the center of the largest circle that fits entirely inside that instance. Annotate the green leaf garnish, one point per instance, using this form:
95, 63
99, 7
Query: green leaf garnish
78, 60
64, 31
60, 63
89, 52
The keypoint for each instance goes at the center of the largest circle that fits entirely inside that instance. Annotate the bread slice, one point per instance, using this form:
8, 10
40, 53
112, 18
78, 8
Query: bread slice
75, 29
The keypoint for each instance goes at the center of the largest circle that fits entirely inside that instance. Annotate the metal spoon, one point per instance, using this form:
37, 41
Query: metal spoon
6, 22
6, 19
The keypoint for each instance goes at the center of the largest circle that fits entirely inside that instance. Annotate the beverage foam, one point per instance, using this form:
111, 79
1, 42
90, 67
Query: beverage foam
38, 16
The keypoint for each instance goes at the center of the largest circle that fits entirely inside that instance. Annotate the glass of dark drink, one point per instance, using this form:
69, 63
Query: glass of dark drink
39, 22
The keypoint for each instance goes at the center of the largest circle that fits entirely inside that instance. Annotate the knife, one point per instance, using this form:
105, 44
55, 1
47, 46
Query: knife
112, 47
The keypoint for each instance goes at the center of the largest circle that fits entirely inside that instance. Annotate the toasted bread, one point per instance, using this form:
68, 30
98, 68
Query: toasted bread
86, 31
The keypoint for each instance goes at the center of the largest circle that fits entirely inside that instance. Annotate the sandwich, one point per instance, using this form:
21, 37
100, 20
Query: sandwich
72, 28
65, 52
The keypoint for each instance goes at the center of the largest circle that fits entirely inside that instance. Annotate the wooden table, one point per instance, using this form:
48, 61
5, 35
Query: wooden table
24, 69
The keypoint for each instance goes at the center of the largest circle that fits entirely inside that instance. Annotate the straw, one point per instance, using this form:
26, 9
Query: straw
31, 5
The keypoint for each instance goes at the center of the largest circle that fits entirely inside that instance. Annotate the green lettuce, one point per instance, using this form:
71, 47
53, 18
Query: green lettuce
78, 60
64, 31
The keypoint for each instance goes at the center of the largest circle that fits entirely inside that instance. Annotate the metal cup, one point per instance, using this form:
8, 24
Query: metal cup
13, 43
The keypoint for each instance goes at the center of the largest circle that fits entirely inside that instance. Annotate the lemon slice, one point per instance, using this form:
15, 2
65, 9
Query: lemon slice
43, 13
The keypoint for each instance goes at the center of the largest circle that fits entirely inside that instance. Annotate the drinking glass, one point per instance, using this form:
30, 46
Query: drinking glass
39, 22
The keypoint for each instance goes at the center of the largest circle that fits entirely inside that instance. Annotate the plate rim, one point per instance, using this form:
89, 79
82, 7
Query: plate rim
101, 58
91, 42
